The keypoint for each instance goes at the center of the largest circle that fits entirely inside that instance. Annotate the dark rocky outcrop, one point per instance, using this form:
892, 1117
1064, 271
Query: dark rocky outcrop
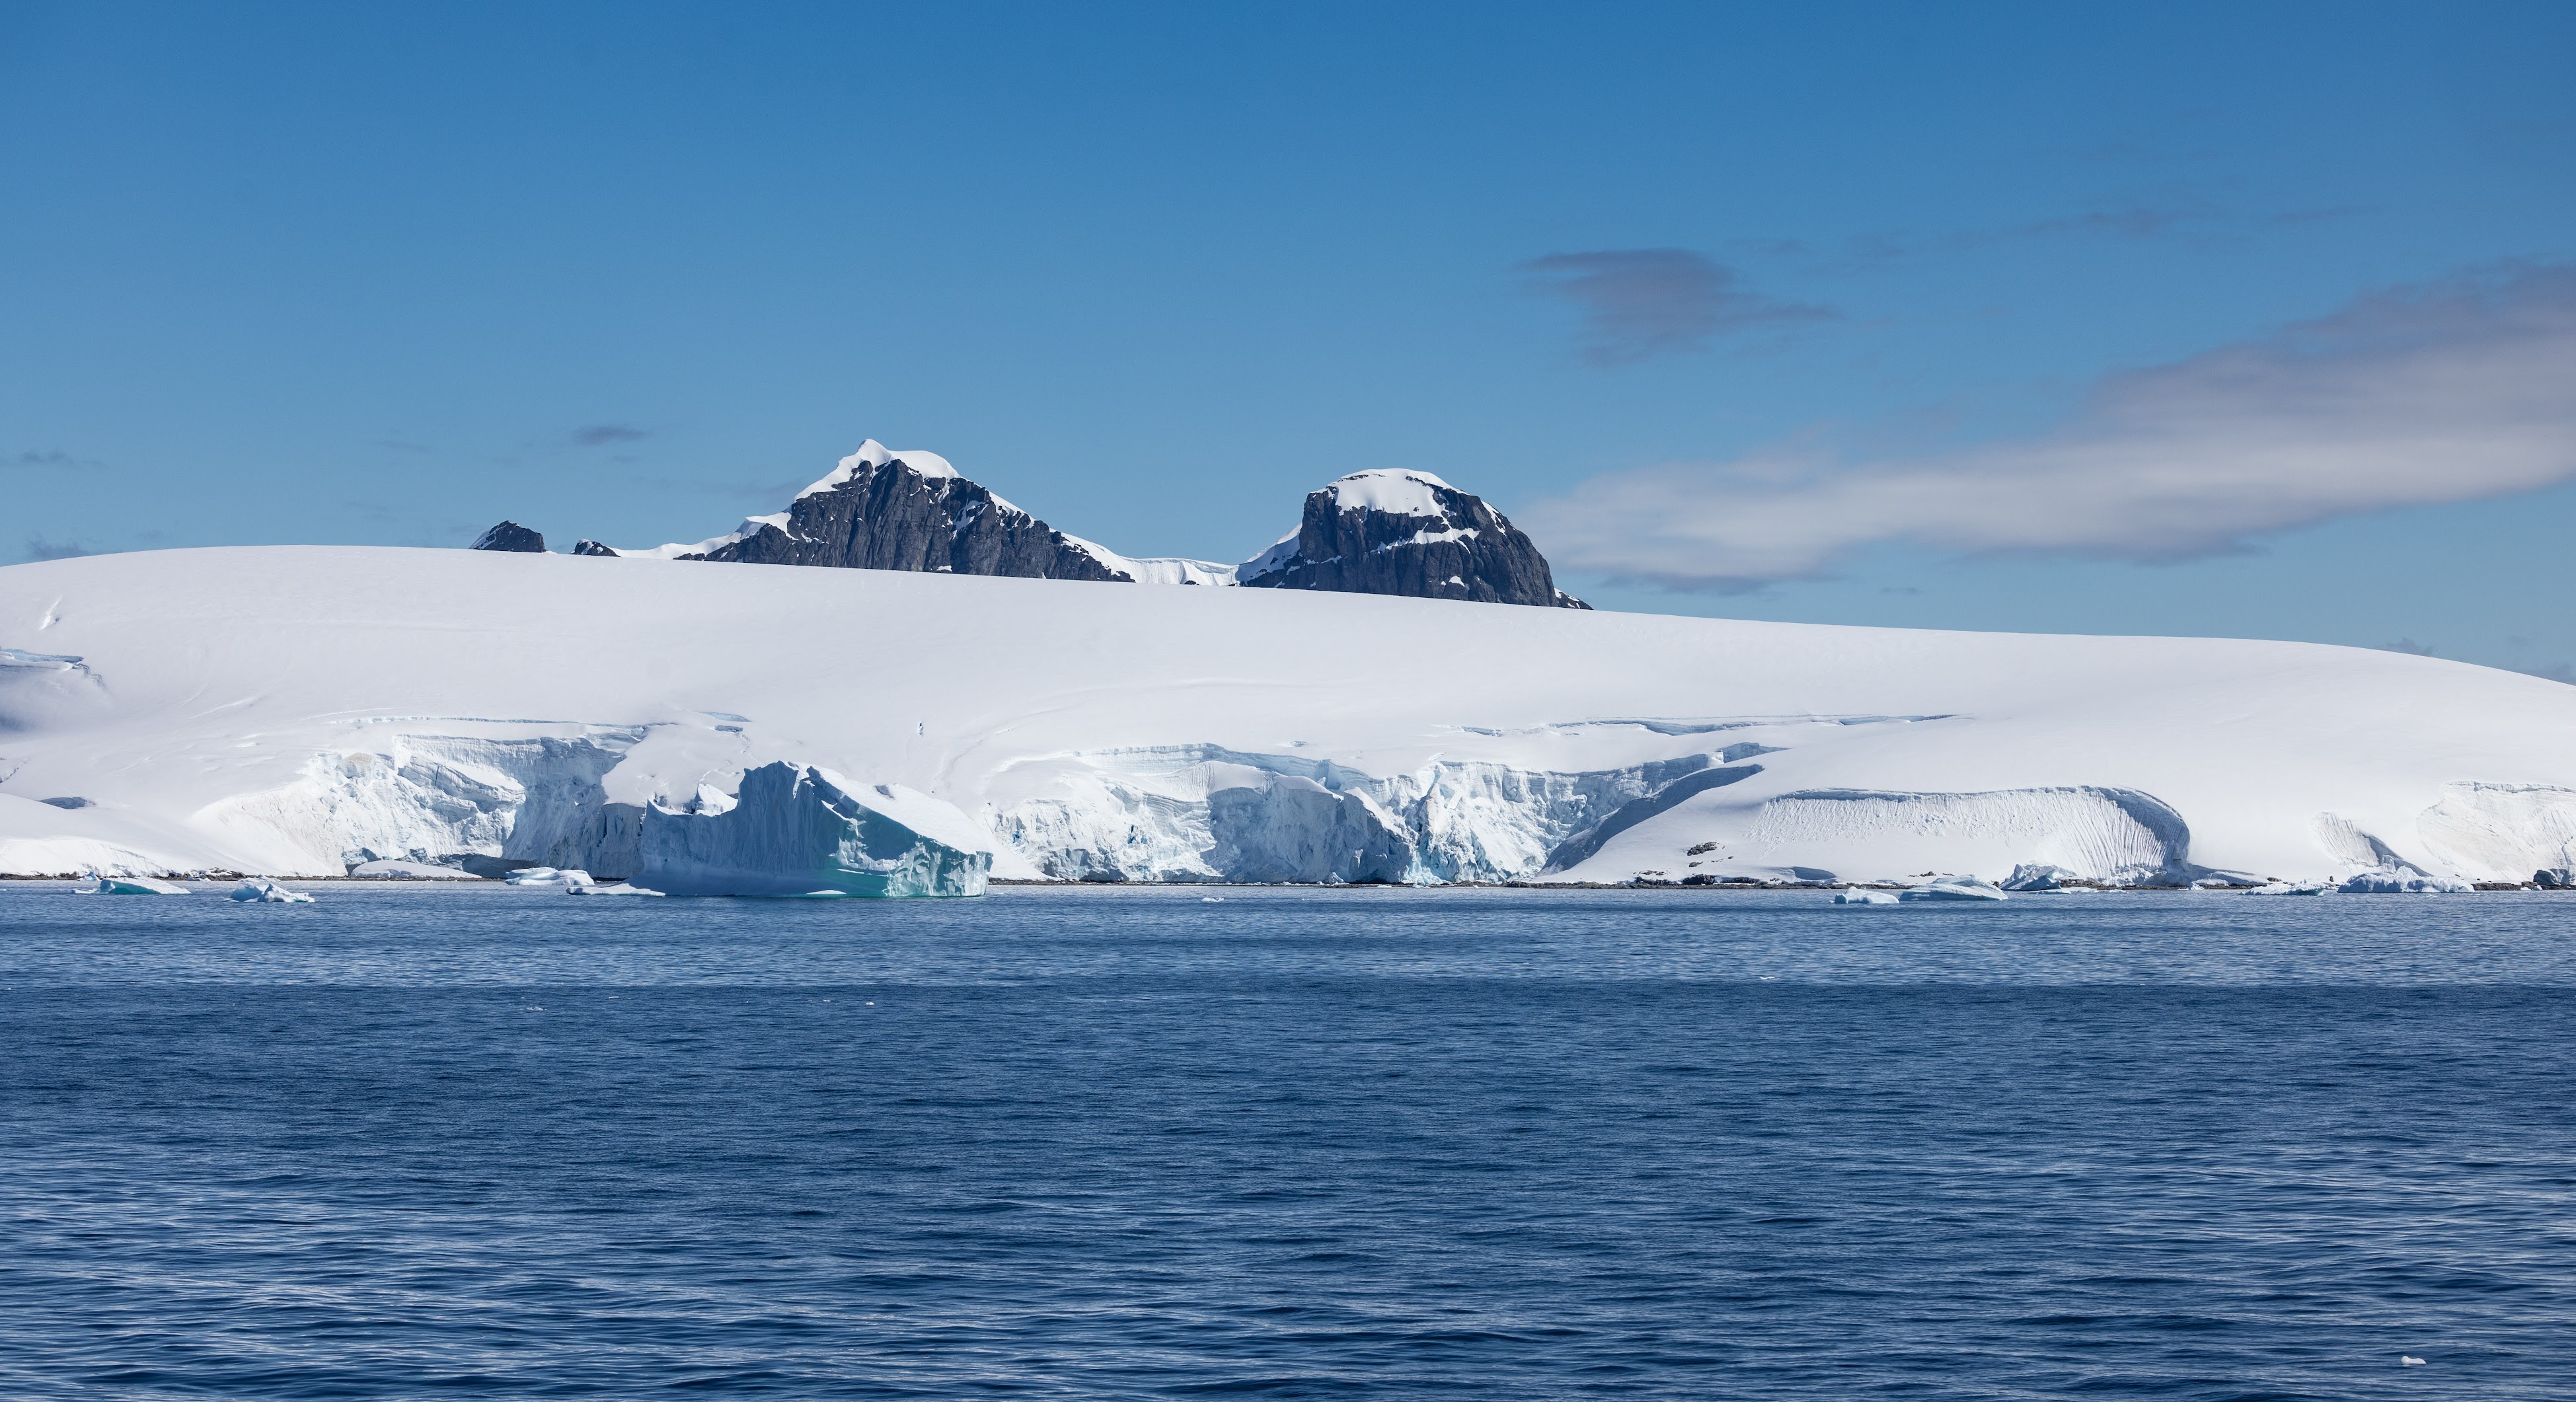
1409, 533
1377, 532
510, 535
885, 513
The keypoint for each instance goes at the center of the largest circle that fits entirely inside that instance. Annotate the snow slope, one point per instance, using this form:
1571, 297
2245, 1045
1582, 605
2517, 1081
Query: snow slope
300, 710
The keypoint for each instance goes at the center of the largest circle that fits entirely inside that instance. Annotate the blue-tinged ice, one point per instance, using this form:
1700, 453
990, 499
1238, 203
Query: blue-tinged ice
1953, 888
133, 886
797, 830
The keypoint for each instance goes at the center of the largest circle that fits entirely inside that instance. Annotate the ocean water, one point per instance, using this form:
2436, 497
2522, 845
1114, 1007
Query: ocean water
487, 1143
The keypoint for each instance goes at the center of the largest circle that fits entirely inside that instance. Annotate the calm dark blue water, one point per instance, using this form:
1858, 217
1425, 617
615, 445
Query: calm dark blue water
1115, 1143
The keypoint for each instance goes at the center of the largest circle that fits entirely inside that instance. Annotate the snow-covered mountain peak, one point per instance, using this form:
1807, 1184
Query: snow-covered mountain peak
1398, 491
872, 455
1378, 531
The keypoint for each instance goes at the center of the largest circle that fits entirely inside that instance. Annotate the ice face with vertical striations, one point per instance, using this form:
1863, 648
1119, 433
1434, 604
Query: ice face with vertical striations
800, 831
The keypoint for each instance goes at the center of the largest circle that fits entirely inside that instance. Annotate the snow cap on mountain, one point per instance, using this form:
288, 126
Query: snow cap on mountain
1399, 531
1398, 491
873, 454
1376, 531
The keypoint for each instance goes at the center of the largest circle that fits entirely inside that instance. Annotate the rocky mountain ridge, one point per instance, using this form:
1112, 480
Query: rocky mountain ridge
1393, 531
1382, 531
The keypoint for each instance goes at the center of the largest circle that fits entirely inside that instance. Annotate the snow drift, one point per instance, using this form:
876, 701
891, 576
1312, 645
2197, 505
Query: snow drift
306, 711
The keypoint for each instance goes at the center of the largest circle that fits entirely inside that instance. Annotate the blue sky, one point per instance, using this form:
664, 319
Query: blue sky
1835, 313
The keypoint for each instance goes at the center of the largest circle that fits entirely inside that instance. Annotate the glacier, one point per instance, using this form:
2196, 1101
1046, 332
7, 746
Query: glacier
800, 831
755, 729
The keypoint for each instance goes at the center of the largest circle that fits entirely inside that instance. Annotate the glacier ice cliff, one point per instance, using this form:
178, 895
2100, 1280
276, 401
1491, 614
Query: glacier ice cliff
306, 711
797, 831
1209, 813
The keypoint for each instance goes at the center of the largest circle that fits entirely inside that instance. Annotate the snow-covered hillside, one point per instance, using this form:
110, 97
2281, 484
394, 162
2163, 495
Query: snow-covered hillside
296, 711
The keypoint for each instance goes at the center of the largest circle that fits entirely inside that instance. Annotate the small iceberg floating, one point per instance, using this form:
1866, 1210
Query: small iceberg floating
2291, 888
616, 888
2400, 881
411, 871
1857, 896
550, 876
269, 893
573, 881
132, 886
1953, 889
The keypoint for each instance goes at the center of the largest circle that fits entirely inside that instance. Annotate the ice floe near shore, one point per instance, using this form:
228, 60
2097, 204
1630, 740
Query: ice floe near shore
133, 886
321, 711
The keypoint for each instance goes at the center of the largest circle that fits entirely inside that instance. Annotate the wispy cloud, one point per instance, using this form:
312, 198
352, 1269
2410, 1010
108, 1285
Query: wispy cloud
39, 548
2449, 392
602, 435
54, 458
1642, 302
2179, 219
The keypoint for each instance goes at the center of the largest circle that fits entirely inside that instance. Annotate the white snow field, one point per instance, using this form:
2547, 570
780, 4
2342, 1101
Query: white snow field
702, 728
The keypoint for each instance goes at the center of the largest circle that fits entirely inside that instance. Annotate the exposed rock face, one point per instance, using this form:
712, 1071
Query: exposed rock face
510, 535
878, 511
1376, 532
1398, 532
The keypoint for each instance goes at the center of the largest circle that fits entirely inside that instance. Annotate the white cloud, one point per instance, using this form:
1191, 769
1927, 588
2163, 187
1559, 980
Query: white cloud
2449, 392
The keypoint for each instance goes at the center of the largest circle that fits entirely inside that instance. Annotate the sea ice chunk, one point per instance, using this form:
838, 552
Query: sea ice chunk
2036, 876
269, 893
411, 871
1857, 896
620, 888
134, 886
549, 876
2393, 880
1961, 888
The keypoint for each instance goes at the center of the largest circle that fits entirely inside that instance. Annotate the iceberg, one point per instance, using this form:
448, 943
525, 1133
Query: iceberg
548, 876
618, 888
796, 830
1960, 888
2036, 876
134, 886
411, 871
2400, 880
1858, 896
269, 893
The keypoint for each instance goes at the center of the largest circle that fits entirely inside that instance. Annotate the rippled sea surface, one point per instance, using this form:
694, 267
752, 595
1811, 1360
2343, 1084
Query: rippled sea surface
410, 1142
